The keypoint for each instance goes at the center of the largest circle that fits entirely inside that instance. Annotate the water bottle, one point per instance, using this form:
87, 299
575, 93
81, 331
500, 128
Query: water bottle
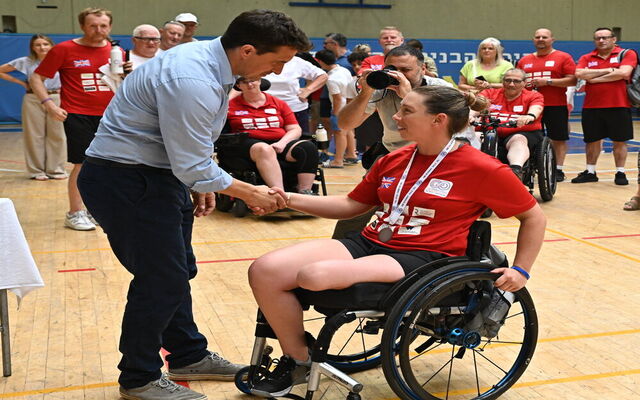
496, 312
116, 58
321, 137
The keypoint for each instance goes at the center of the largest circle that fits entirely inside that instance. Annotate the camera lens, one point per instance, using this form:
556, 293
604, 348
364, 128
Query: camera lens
381, 79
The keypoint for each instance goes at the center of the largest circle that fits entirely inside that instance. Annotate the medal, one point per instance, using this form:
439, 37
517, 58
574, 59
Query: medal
385, 234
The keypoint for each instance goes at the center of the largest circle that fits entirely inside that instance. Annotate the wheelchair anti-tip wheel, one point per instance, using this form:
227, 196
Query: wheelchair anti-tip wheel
441, 354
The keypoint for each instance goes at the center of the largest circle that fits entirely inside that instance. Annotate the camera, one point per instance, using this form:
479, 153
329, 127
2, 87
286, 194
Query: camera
381, 79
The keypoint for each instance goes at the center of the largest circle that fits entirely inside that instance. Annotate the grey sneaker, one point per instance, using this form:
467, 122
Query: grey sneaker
162, 389
212, 367
79, 221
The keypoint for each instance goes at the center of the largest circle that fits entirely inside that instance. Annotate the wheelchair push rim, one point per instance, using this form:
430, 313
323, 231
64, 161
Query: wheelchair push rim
428, 364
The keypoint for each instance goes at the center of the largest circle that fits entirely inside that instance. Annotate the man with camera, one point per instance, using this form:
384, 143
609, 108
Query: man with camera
382, 91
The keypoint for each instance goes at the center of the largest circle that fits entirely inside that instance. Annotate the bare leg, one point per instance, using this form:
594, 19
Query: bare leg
351, 145
266, 160
620, 153
517, 150
305, 181
315, 265
593, 152
75, 200
560, 148
341, 146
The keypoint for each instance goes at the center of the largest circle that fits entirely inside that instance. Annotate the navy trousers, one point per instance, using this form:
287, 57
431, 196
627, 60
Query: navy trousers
147, 214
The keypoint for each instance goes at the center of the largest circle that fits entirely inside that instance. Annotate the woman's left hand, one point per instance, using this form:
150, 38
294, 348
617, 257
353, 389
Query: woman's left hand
278, 146
510, 281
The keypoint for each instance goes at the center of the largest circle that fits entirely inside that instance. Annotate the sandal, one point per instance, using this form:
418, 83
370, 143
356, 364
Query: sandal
327, 164
633, 204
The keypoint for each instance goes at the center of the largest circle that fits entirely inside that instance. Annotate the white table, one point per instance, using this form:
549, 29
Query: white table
18, 272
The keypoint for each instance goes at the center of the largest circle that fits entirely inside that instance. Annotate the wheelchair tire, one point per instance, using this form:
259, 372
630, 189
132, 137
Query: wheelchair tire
223, 202
239, 208
490, 144
437, 368
366, 356
241, 380
546, 166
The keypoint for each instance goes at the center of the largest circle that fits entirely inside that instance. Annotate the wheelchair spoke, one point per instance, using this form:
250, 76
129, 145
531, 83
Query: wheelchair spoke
438, 371
364, 348
475, 369
453, 352
487, 358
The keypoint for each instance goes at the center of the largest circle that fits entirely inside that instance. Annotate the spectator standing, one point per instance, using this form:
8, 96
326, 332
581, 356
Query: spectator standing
151, 152
606, 112
146, 39
190, 23
550, 72
45, 150
489, 67
170, 36
389, 37
337, 44
338, 88
84, 97
430, 63
634, 202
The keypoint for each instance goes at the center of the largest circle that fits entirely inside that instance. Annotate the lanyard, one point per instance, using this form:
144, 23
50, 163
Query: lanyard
397, 208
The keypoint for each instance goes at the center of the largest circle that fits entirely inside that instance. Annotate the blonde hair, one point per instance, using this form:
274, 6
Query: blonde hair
496, 44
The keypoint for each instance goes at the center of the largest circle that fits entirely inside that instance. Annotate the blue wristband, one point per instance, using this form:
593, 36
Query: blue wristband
522, 271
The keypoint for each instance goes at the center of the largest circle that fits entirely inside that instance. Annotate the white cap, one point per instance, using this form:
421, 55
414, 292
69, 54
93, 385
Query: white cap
186, 17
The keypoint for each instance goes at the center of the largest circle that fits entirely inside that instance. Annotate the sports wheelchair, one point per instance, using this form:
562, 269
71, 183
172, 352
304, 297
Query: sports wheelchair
541, 162
245, 170
438, 340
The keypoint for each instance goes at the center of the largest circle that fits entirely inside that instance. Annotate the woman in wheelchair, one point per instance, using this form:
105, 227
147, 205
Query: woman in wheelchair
512, 103
430, 192
274, 135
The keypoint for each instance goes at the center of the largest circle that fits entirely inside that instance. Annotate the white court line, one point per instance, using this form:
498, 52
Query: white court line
11, 170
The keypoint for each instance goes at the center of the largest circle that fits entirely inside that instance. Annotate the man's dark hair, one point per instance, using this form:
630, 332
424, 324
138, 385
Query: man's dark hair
338, 38
326, 56
356, 56
404, 50
605, 29
265, 30
414, 43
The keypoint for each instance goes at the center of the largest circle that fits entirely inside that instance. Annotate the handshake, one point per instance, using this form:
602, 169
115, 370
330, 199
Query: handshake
261, 200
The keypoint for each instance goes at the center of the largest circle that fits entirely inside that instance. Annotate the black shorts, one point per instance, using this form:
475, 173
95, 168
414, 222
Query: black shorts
533, 138
612, 123
80, 130
325, 108
303, 120
556, 122
242, 150
359, 246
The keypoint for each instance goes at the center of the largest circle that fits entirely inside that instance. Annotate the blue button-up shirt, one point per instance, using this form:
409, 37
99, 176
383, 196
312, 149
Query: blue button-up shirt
169, 112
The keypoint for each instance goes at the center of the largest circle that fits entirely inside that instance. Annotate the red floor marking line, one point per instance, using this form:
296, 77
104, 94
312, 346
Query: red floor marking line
166, 366
611, 236
13, 162
223, 261
77, 270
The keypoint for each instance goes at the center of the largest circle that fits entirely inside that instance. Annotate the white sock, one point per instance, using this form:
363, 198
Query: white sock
591, 168
620, 169
559, 167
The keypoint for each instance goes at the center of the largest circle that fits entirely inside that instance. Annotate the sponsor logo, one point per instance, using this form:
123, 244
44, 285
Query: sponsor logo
518, 108
592, 64
549, 63
270, 111
90, 89
613, 60
439, 187
495, 107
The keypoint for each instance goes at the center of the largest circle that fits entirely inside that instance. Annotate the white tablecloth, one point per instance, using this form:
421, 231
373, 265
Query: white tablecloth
18, 270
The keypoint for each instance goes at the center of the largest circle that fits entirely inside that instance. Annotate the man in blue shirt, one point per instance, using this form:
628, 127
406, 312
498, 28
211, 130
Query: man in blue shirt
151, 156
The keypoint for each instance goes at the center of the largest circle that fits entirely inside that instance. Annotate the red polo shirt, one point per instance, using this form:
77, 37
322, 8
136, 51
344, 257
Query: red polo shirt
554, 65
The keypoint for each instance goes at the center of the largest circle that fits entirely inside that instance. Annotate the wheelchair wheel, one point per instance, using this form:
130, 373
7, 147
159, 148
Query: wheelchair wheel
223, 202
546, 165
490, 144
440, 355
239, 208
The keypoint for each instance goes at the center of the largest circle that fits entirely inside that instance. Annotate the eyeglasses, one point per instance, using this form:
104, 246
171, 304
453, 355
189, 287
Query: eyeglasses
599, 38
147, 39
515, 81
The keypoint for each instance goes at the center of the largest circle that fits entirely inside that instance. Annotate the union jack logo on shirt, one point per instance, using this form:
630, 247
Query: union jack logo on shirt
387, 181
242, 112
81, 63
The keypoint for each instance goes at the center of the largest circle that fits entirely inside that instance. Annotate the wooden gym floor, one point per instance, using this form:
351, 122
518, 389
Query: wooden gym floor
585, 285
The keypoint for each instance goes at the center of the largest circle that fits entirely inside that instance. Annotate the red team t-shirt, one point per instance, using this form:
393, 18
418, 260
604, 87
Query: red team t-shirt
439, 214
607, 94
506, 110
373, 62
82, 90
555, 65
266, 122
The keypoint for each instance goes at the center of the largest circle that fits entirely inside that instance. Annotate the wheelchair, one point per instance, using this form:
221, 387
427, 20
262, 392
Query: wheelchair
541, 163
245, 170
434, 343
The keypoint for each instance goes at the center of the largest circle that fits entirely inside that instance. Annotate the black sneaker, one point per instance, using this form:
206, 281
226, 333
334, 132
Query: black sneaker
560, 175
584, 177
517, 170
621, 179
282, 379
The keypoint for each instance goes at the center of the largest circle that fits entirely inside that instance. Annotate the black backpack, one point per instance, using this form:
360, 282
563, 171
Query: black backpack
633, 86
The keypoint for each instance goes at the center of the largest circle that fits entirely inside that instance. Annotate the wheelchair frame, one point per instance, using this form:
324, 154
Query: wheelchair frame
437, 305
250, 175
542, 161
